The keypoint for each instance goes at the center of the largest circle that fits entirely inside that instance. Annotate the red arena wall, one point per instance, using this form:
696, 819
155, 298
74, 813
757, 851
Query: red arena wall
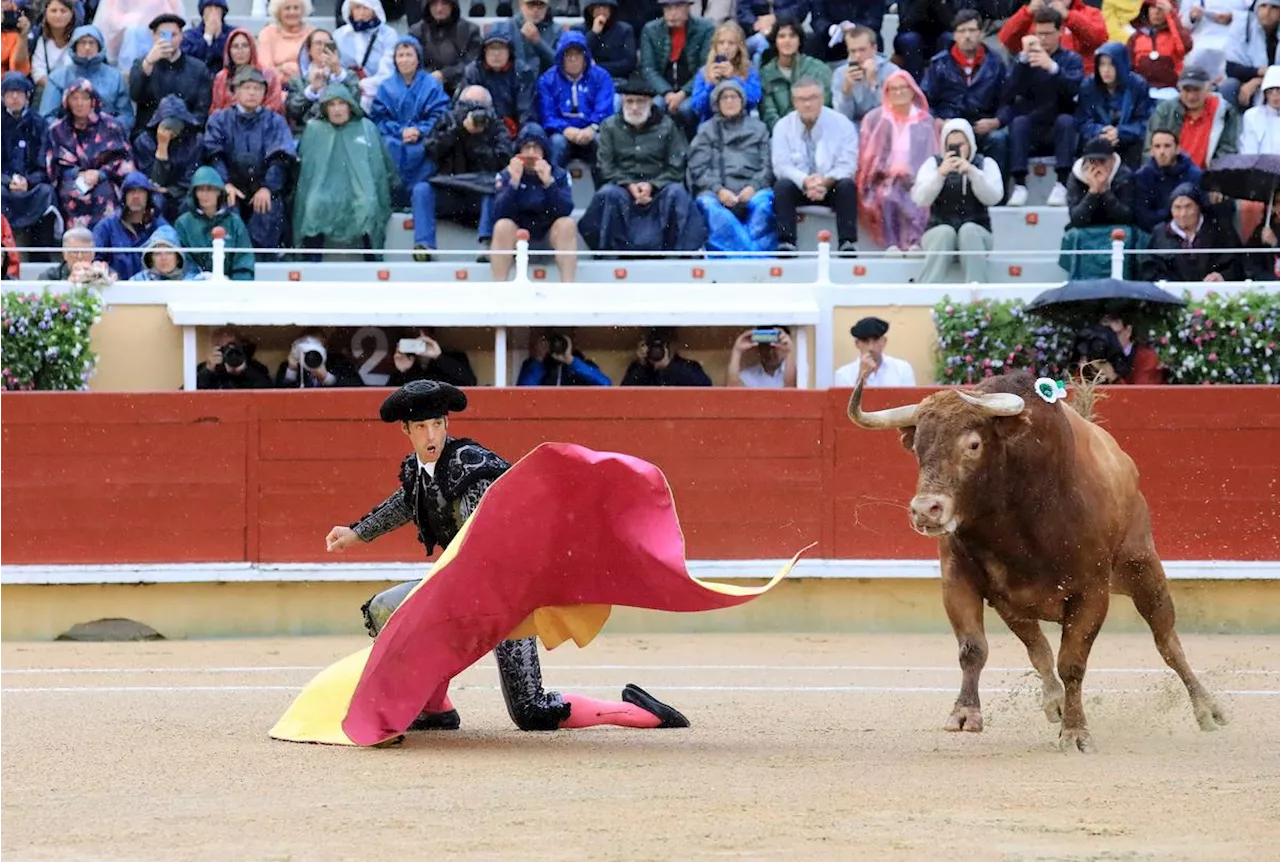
260, 477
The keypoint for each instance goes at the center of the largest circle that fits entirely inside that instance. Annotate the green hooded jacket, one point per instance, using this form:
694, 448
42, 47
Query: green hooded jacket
344, 190
195, 229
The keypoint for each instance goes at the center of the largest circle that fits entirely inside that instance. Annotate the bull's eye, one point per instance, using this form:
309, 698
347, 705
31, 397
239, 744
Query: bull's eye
974, 445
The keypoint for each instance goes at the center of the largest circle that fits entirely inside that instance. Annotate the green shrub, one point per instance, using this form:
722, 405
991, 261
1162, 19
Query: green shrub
1219, 339
46, 339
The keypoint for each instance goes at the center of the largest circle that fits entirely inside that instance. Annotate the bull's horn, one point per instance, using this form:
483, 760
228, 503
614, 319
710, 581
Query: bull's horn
894, 417
996, 403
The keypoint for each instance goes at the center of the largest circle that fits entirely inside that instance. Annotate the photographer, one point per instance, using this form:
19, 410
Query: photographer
15, 52
309, 365
855, 86
773, 370
165, 71
471, 144
230, 364
958, 186
1119, 359
1039, 104
554, 361
658, 364
418, 356
320, 67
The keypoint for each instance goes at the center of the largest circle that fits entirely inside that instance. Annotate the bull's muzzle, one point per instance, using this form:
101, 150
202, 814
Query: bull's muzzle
933, 514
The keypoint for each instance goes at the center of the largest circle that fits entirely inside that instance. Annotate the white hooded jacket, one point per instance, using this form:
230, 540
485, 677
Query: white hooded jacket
1260, 131
378, 44
987, 185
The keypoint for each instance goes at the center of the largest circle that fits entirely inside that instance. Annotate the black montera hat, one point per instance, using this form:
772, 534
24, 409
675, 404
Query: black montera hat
419, 400
869, 328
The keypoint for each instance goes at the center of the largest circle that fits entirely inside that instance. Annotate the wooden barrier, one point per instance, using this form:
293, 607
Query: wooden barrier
261, 477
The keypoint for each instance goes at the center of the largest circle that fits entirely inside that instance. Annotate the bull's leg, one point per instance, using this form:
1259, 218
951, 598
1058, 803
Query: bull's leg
964, 608
1082, 620
1145, 580
1041, 655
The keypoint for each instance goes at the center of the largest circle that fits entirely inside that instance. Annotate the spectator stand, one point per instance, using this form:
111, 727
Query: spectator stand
500, 306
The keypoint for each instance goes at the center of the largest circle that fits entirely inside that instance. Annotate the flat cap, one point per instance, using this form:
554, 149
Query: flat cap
167, 18
419, 400
869, 328
247, 74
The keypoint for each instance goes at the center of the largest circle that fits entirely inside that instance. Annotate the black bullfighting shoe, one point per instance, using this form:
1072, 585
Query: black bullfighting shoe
669, 715
447, 720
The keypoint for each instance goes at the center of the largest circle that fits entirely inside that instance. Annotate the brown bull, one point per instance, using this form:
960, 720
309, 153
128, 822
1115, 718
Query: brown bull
1036, 511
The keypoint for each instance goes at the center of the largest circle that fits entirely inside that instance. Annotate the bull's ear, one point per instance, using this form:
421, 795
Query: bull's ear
1012, 427
908, 437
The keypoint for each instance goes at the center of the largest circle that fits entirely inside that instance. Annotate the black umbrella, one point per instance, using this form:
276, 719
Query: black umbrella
1091, 298
1246, 178
477, 184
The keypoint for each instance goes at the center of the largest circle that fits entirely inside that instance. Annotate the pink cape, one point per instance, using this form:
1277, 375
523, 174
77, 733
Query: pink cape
562, 535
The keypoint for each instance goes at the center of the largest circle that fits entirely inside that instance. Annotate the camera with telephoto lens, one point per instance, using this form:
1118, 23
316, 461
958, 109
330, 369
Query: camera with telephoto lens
1098, 343
234, 356
557, 344
481, 116
11, 19
657, 350
312, 352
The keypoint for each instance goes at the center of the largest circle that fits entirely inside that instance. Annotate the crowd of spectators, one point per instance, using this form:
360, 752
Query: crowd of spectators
704, 128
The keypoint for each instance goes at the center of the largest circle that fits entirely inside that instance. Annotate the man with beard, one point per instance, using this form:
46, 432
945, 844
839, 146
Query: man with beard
132, 227
643, 204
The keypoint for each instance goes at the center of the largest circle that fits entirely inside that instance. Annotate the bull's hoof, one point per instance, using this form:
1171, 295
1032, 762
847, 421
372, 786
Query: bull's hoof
1051, 703
966, 718
1076, 740
1211, 716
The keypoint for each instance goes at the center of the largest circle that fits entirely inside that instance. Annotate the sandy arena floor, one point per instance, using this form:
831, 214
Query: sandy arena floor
802, 748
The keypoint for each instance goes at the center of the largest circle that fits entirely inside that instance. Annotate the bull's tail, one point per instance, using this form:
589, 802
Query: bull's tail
1085, 392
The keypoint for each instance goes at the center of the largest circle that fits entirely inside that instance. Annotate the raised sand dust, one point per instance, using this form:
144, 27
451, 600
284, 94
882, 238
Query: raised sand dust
802, 748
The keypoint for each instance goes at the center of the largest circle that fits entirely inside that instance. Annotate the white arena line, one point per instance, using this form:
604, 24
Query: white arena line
792, 689
56, 671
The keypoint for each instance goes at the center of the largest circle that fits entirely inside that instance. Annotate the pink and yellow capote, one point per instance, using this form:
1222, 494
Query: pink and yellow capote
556, 541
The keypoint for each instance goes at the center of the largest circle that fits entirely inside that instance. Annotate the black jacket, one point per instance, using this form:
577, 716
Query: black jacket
186, 78
457, 151
451, 366
681, 372
614, 50
1115, 206
255, 376
1214, 234
447, 47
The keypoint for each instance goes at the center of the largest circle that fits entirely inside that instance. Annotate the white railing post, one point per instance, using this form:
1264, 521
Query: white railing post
219, 254
801, 355
190, 357
1117, 253
500, 356
522, 256
824, 257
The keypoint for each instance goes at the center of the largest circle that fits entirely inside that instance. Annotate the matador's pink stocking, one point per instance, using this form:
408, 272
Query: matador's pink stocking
589, 712
637, 709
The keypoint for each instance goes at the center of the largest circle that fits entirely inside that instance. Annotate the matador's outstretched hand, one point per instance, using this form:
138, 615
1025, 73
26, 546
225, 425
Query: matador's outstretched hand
340, 538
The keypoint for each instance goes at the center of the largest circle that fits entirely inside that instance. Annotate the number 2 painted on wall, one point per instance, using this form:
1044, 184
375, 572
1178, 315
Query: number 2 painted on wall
379, 353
